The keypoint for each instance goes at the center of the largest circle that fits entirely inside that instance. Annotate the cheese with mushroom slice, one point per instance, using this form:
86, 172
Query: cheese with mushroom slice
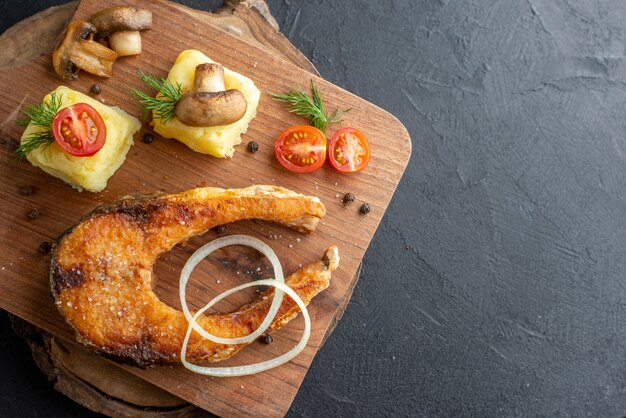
218, 141
88, 173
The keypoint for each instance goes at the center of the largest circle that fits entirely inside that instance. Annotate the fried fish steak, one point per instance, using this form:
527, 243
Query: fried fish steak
101, 271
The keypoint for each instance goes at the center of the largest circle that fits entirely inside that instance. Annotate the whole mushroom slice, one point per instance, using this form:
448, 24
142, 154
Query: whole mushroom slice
77, 50
122, 25
210, 104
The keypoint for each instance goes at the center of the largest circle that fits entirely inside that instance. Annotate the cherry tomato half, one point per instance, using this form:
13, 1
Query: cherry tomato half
301, 148
348, 150
79, 130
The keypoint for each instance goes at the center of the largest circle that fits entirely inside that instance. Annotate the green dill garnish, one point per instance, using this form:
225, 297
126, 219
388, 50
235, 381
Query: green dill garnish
163, 106
312, 108
40, 115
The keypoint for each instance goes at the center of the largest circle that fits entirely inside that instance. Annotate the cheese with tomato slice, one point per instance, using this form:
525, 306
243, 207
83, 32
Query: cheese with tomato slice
88, 173
218, 141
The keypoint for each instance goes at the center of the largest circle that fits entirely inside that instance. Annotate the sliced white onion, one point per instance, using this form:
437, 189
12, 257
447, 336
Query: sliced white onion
256, 367
207, 249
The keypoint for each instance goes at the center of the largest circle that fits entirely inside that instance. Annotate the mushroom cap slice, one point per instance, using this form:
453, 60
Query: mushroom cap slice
76, 50
121, 18
202, 108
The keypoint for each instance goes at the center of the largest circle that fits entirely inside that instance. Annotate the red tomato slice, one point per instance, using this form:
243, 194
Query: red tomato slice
349, 150
301, 148
79, 130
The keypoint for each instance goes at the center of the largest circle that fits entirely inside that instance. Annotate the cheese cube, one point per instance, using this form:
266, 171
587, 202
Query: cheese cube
89, 173
218, 141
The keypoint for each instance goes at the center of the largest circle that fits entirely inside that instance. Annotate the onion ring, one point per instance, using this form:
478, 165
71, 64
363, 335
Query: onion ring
256, 367
207, 249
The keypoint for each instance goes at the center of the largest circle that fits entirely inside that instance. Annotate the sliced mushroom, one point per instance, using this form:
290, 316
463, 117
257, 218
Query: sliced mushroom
120, 18
122, 24
210, 104
202, 108
77, 50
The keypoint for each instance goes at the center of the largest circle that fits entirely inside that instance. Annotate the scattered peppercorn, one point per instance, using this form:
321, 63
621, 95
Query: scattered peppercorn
349, 197
220, 229
33, 214
253, 146
95, 89
266, 339
365, 209
26, 190
44, 247
148, 138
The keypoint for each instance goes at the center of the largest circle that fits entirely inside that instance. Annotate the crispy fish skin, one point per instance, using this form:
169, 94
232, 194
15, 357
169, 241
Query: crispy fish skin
101, 271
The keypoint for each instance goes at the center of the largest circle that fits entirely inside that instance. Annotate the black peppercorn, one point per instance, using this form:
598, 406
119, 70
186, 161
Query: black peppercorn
365, 209
33, 214
44, 247
349, 197
253, 146
95, 89
26, 190
148, 138
266, 339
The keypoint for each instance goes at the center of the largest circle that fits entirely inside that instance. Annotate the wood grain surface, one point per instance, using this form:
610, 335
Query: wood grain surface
168, 165
81, 375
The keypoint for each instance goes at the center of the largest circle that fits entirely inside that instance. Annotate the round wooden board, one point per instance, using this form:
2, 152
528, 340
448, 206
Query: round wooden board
88, 379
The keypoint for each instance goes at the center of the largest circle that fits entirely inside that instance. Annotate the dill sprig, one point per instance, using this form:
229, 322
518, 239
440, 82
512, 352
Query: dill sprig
40, 115
311, 107
163, 106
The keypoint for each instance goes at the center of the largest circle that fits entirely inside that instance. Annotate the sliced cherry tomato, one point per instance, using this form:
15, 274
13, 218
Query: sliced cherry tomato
79, 130
301, 148
349, 150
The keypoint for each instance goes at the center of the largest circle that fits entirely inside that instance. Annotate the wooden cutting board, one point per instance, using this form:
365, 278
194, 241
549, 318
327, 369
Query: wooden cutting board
169, 165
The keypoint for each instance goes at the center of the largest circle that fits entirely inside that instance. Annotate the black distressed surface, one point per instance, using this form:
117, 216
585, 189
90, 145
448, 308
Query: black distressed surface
496, 283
